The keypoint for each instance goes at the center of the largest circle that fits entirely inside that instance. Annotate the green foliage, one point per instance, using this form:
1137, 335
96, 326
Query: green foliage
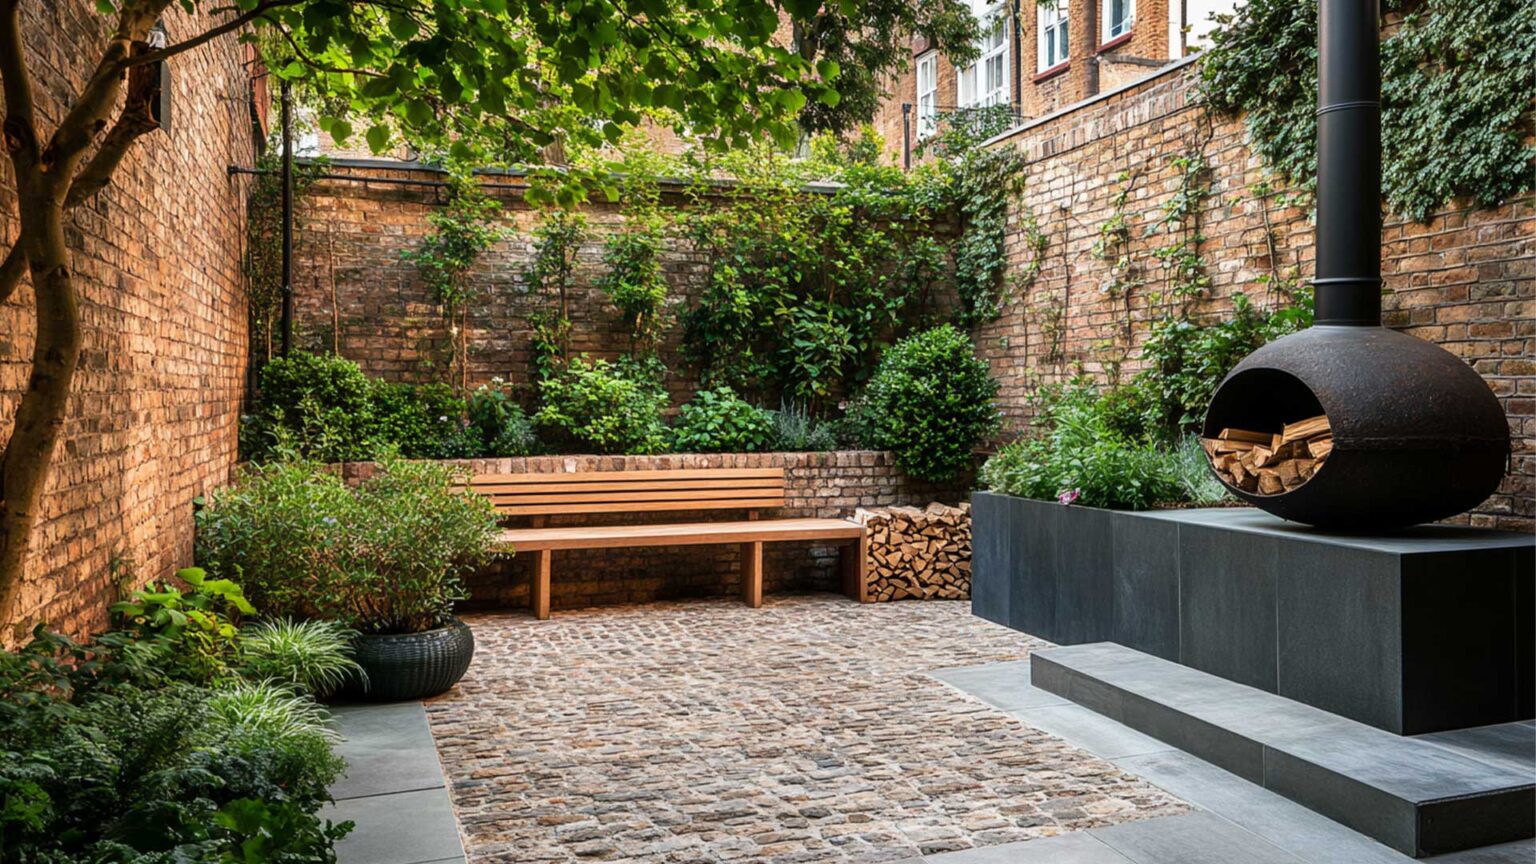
603, 407
719, 421
1456, 95
1080, 457
316, 405
108, 754
556, 240
461, 231
384, 557
633, 279
197, 625
1185, 359
930, 401
503, 428
797, 430
421, 421
313, 656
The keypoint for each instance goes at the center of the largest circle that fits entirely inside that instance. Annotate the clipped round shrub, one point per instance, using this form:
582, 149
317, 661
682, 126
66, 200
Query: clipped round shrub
317, 406
930, 402
719, 421
424, 421
596, 405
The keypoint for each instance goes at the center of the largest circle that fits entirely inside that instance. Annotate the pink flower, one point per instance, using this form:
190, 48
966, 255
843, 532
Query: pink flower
1069, 496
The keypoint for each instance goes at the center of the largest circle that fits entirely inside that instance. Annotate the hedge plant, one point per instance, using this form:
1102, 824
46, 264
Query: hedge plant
719, 421
929, 401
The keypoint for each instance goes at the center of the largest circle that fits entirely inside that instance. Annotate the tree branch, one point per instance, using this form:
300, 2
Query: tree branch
302, 57
20, 130
15, 265
135, 120
208, 35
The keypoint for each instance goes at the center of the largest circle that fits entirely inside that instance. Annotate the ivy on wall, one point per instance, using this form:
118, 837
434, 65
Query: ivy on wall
1457, 95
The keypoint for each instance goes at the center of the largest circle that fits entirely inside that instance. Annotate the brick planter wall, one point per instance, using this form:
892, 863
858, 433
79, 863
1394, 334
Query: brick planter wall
818, 485
156, 260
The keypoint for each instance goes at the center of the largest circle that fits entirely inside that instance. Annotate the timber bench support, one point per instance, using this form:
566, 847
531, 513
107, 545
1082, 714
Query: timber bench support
539, 496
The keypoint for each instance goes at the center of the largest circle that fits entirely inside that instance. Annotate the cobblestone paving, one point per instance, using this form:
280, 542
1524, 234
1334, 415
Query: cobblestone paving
707, 731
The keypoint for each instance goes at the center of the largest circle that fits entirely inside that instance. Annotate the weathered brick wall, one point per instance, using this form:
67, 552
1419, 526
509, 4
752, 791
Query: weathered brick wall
823, 485
157, 267
355, 291
1465, 279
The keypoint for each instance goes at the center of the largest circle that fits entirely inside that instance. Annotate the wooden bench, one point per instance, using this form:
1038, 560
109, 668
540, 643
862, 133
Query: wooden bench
678, 491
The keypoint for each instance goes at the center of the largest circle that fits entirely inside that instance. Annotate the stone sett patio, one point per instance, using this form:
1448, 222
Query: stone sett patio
803, 731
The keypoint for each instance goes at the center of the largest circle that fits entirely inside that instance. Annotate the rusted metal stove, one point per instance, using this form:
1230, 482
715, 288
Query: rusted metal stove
1412, 434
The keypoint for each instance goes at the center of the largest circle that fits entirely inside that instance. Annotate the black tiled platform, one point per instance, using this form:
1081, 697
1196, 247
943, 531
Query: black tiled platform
1436, 621
1422, 796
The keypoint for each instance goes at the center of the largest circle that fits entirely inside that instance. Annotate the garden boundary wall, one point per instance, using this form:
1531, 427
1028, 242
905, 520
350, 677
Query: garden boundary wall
1465, 278
156, 258
824, 485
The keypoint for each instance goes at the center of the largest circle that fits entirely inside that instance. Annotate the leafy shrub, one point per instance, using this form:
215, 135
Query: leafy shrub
594, 404
383, 558
930, 401
424, 421
315, 405
1081, 458
314, 656
197, 626
719, 421
796, 430
502, 427
106, 756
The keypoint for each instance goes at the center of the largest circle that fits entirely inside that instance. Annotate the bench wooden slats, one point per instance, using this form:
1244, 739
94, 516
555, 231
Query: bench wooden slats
680, 534
661, 491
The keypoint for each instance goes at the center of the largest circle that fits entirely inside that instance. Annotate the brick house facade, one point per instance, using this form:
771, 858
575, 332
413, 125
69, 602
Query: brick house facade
1041, 58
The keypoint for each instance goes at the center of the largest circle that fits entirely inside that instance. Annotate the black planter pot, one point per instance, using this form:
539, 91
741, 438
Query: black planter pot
406, 666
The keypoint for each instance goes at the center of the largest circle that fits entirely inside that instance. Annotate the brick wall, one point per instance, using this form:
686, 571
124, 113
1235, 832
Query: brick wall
354, 291
1465, 279
824, 485
153, 420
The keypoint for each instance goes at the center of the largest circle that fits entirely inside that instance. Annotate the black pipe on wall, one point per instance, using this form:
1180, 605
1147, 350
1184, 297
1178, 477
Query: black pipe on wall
1348, 279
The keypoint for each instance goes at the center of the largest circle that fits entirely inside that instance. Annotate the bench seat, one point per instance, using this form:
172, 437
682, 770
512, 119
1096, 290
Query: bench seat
680, 534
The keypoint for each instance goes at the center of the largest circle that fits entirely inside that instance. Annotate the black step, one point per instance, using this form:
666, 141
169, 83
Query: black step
1421, 796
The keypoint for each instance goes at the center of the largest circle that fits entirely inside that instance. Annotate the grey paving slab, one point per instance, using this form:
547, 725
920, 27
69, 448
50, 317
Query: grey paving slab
1079, 847
1310, 836
388, 748
1001, 685
1194, 838
399, 828
1508, 745
1091, 731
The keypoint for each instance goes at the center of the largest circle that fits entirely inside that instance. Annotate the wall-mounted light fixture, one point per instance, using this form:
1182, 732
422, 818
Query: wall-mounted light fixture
160, 72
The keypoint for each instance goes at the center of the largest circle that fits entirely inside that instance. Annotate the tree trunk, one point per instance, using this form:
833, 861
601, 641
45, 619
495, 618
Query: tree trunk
40, 416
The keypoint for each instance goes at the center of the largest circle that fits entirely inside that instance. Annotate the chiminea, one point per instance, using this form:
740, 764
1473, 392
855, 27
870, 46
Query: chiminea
1412, 434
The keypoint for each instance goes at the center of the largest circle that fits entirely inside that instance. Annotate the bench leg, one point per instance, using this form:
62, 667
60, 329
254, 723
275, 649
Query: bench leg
752, 574
855, 561
538, 597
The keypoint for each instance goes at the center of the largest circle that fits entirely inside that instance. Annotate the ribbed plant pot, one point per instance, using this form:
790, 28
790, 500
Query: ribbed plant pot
404, 666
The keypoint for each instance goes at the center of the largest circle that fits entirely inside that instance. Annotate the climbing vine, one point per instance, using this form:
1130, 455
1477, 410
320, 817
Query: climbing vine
461, 231
263, 263
1457, 95
551, 276
1112, 246
633, 280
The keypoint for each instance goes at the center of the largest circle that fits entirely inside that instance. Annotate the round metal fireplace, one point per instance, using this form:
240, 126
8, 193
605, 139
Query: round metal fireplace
1417, 434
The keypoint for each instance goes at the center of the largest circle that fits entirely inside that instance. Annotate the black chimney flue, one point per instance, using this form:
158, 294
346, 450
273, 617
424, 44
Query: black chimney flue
1348, 279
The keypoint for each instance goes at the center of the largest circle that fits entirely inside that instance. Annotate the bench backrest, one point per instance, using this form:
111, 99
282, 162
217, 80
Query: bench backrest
633, 491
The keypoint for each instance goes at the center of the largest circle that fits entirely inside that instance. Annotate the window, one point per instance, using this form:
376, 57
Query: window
1118, 17
927, 94
985, 82
1053, 35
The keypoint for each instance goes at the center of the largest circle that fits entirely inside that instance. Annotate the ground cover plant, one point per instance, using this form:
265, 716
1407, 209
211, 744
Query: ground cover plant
165, 739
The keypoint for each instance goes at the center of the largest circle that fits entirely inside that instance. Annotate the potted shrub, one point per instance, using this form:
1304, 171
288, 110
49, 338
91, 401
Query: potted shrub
383, 558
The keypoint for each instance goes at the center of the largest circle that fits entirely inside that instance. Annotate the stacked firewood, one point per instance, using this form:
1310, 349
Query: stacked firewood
1271, 463
922, 554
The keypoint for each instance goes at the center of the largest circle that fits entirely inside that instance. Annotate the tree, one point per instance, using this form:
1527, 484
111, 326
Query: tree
488, 81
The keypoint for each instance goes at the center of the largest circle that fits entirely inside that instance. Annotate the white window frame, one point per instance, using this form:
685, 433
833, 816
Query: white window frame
1052, 21
994, 22
927, 103
1107, 28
